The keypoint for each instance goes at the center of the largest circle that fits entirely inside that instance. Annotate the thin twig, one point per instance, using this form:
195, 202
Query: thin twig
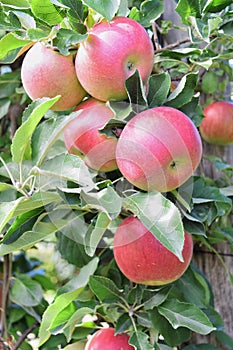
173, 45
24, 335
7, 269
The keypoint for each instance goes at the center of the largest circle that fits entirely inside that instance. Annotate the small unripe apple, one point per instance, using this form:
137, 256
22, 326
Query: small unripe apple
104, 339
47, 73
82, 136
217, 125
143, 259
112, 52
159, 149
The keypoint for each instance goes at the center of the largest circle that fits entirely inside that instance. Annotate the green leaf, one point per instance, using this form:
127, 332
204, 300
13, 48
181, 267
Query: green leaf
75, 9
216, 5
159, 87
209, 83
21, 148
158, 298
25, 19
161, 217
37, 200
149, 12
61, 319
136, 92
186, 8
23, 223
104, 288
67, 39
69, 319
106, 200
46, 224
4, 186
107, 8
123, 324
184, 91
66, 167
46, 134
181, 314
18, 4
95, 234
194, 288
45, 11
141, 341
65, 295
10, 46
26, 292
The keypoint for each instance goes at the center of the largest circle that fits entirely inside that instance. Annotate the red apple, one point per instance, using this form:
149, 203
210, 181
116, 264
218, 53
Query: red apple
104, 339
143, 259
82, 136
111, 54
46, 73
217, 124
159, 149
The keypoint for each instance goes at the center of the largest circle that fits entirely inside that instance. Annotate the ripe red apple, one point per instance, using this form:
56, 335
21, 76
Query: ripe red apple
143, 259
159, 149
82, 136
47, 73
111, 54
217, 124
104, 339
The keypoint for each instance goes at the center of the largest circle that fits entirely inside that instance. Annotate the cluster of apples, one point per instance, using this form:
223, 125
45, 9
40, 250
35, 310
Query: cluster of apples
158, 149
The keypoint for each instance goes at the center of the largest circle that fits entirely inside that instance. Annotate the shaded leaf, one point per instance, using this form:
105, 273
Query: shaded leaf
159, 86
104, 288
184, 91
136, 92
71, 251
141, 341
26, 292
173, 337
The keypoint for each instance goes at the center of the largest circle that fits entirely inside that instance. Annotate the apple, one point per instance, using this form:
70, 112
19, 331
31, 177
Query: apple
82, 136
112, 52
104, 339
159, 149
143, 259
47, 73
217, 125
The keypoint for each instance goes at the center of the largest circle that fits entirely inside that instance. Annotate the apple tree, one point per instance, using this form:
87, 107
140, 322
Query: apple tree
60, 216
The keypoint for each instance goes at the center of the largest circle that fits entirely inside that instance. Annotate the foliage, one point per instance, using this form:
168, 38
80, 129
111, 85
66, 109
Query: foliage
50, 197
